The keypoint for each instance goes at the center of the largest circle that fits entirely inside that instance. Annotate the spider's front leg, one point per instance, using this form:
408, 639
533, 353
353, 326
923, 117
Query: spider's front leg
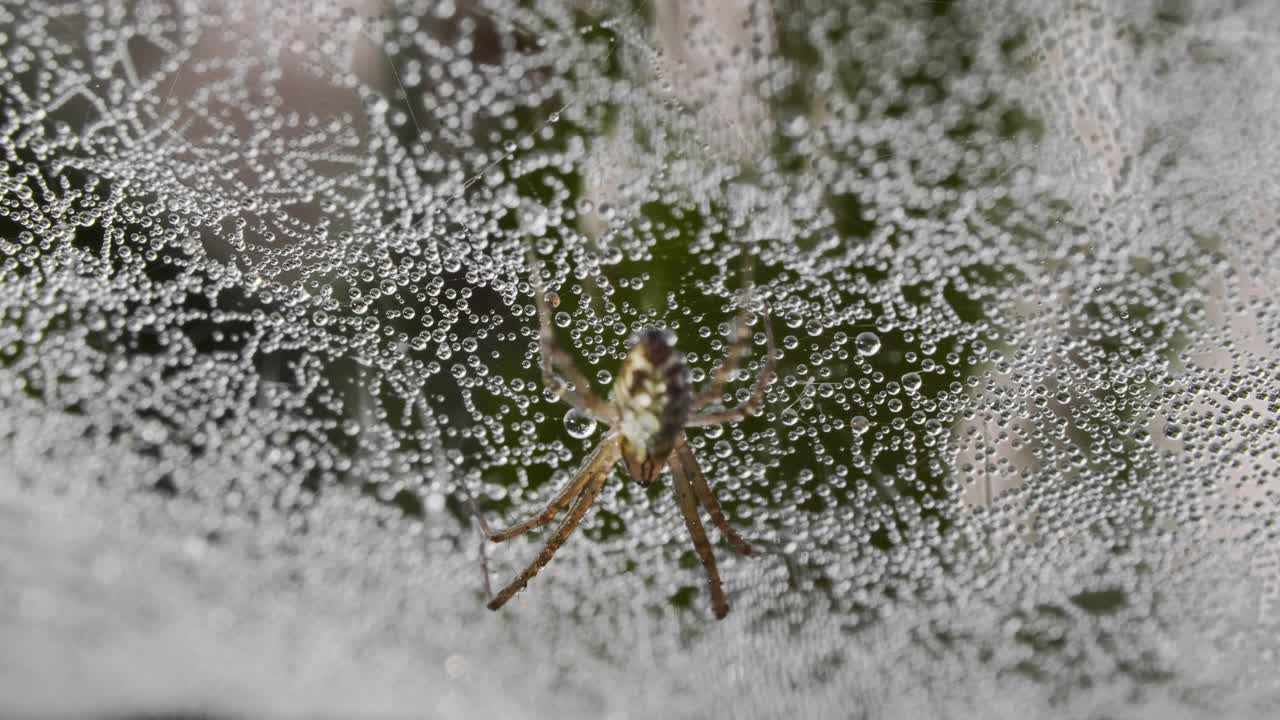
767, 372
729, 365
555, 358
582, 490
738, 347
563, 499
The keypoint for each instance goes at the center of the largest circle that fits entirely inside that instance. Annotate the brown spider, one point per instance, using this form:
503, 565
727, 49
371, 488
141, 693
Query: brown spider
651, 406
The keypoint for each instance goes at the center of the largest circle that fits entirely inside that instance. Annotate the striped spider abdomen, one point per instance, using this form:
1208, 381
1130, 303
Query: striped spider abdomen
653, 399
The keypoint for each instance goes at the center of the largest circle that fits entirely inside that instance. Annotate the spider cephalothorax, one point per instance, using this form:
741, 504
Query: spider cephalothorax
650, 407
652, 399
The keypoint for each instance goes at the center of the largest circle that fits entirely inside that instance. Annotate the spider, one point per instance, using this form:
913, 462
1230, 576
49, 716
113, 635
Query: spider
651, 405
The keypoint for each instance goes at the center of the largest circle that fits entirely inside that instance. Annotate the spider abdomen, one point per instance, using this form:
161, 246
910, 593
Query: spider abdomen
652, 398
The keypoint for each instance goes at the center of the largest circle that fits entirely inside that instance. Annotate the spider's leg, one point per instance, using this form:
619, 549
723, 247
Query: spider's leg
729, 365
795, 571
688, 502
483, 527
767, 372
555, 358
562, 500
484, 570
595, 472
485, 532
689, 463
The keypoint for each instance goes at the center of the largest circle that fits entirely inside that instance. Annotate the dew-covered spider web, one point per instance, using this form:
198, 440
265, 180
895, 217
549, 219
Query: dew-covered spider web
267, 336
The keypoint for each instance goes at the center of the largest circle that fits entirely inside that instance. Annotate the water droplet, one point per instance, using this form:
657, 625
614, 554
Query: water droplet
579, 424
867, 343
859, 425
911, 382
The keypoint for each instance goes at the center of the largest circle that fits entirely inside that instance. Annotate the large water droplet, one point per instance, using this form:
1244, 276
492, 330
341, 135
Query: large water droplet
579, 424
911, 382
867, 343
859, 425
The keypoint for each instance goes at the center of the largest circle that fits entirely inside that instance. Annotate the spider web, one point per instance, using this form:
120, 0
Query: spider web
267, 327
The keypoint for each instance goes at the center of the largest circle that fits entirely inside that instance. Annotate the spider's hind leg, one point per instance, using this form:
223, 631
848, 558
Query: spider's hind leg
688, 502
684, 456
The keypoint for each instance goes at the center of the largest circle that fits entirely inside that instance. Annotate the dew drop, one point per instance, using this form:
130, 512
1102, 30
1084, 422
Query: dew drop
911, 382
579, 424
867, 343
859, 425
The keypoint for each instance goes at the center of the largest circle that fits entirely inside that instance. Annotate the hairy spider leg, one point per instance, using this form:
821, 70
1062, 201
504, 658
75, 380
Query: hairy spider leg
729, 364
557, 505
555, 358
688, 502
685, 457
596, 471
763, 379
